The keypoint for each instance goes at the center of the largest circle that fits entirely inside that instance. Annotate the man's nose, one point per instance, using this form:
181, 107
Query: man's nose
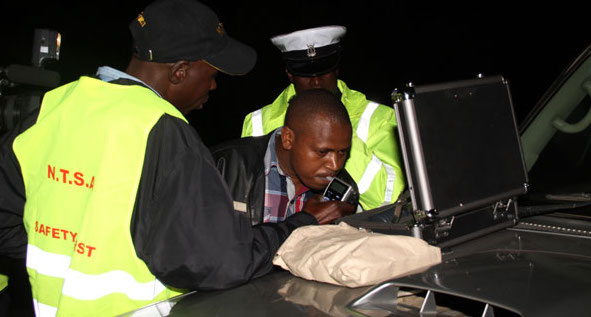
214, 84
315, 81
332, 162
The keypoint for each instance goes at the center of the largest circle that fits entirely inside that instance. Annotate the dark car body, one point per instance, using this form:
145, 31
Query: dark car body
538, 266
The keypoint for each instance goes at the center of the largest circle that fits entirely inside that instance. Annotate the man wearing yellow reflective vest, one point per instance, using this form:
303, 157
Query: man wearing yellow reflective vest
120, 199
312, 58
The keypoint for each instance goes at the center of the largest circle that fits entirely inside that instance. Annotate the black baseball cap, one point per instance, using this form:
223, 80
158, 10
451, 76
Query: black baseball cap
167, 31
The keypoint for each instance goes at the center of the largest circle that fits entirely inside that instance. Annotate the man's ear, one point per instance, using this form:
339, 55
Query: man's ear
289, 76
178, 72
287, 138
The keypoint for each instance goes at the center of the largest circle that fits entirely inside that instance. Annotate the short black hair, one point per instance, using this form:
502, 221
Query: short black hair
306, 105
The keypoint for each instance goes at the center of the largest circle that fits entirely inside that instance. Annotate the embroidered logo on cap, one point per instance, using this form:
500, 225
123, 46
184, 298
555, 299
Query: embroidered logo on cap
220, 29
141, 20
311, 50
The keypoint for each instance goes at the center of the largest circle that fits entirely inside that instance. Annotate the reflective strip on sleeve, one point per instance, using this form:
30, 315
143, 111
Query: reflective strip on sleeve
257, 122
44, 310
47, 263
364, 121
370, 173
239, 206
89, 287
391, 177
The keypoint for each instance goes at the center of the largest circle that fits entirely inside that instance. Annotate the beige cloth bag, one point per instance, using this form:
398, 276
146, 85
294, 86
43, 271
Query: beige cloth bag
343, 255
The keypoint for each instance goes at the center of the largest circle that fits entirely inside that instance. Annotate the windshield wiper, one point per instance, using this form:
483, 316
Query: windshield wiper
569, 197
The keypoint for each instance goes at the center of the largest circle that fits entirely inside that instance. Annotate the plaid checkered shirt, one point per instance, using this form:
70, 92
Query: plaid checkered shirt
281, 199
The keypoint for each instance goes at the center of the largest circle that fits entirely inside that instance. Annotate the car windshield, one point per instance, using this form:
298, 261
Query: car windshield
564, 165
556, 139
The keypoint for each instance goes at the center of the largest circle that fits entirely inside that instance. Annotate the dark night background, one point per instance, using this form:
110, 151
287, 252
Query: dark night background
388, 44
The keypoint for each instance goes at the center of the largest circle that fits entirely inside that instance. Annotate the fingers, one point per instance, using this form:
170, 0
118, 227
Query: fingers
327, 211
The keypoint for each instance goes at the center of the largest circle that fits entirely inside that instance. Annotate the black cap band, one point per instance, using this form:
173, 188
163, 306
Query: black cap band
315, 67
314, 61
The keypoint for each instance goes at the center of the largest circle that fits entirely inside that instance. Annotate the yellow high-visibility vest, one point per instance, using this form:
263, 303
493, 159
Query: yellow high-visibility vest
81, 164
3, 282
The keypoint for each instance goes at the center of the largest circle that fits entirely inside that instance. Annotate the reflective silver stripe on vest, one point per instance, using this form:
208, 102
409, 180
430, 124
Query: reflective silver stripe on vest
44, 310
257, 122
370, 173
391, 177
90, 287
46, 263
365, 120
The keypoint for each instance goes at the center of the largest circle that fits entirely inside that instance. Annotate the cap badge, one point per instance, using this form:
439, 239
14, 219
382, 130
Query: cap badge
141, 20
311, 50
220, 29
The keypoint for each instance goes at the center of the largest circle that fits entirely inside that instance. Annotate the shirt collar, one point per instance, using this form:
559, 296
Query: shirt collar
271, 155
107, 73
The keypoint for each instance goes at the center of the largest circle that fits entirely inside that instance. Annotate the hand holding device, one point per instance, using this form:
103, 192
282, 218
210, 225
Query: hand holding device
327, 211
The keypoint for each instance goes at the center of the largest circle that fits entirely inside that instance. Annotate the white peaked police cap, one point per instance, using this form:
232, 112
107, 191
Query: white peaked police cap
311, 52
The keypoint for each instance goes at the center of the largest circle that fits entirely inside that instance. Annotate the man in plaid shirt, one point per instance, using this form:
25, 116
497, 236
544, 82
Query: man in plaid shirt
277, 175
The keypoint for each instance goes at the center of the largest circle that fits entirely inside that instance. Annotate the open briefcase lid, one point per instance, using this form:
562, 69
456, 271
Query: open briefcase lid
460, 144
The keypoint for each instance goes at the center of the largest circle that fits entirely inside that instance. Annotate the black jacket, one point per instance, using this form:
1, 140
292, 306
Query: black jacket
183, 224
241, 163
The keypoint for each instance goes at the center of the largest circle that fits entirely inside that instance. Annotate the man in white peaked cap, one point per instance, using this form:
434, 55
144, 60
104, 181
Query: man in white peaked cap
312, 59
